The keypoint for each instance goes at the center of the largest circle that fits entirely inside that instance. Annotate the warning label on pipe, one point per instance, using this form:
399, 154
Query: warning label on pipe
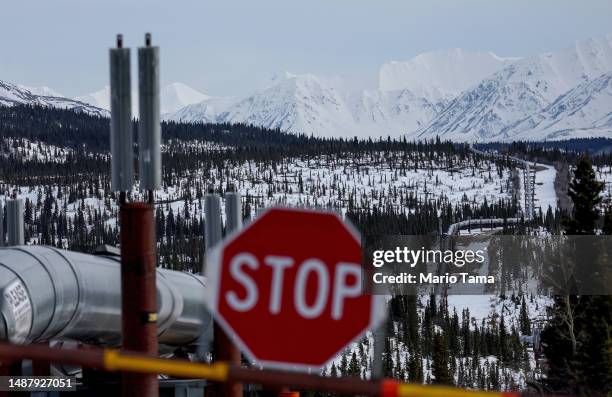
17, 300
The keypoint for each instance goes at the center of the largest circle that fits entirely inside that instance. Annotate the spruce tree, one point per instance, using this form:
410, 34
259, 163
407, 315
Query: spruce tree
353, 367
577, 342
503, 340
524, 321
334, 371
585, 192
440, 369
387, 366
415, 368
343, 364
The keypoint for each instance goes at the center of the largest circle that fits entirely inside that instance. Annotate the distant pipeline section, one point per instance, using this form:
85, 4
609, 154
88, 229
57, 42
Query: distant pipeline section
49, 293
454, 228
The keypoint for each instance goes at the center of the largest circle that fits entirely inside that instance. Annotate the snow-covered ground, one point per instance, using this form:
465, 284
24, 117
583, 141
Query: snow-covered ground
545, 187
483, 307
604, 174
24, 149
329, 181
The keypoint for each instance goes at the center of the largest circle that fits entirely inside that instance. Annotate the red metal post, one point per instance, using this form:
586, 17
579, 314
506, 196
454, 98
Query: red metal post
226, 350
139, 293
41, 368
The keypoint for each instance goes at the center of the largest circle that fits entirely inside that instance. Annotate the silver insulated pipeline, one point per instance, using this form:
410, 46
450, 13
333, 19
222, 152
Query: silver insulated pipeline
48, 293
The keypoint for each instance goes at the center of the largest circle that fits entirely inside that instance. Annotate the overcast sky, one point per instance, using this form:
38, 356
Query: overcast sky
232, 47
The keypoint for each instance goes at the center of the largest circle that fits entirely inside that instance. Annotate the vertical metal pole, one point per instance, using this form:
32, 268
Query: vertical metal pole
121, 136
378, 351
212, 235
138, 293
2, 241
149, 127
14, 222
137, 220
224, 349
233, 211
212, 219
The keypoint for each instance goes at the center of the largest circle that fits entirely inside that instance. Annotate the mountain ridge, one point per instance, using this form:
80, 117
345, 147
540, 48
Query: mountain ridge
454, 94
313, 105
519, 90
13, 94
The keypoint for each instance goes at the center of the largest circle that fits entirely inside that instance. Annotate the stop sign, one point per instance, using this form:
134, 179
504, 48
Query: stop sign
288, 288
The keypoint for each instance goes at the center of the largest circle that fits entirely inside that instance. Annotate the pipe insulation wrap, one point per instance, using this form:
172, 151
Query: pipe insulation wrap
48, 293
121, 136
149, 127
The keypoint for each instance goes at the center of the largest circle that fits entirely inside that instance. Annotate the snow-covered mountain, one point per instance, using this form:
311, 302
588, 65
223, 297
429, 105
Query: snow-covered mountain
100, 98
207, 111
297, 103
487, 110
173, 97
455, 94
178, 95
585, 110
382, 113
309, 104
313, 105
13, 94
440, 74
42, 91
300, 103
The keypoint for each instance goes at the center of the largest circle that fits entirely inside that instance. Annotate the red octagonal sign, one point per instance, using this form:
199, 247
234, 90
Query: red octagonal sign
288, 288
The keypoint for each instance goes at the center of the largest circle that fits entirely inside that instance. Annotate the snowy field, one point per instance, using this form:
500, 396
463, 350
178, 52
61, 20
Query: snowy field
604, 174
545, 187
337, 182
483, 308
